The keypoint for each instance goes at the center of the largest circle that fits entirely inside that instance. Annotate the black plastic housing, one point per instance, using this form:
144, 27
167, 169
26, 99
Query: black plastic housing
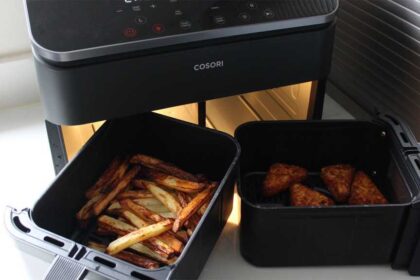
122, 85
272, 233
51, 225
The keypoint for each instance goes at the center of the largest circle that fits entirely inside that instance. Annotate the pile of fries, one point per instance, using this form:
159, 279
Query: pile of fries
145, 210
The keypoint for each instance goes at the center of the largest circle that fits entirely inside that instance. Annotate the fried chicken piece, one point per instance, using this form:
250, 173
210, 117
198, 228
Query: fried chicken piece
338, 179
281, 176
301, 195
364, 191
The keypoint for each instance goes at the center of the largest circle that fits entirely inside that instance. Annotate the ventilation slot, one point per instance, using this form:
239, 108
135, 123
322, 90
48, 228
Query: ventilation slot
392, 119
104, 262
73, 251
417, 162
404, 137
81, 253
54, 241
138, 275
19, 225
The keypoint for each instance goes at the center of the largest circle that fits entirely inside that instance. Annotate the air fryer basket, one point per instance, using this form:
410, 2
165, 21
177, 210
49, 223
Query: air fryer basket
51, 224
272, 233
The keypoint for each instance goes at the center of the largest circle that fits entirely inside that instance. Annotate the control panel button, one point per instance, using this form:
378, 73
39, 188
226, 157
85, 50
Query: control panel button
268, 13
245, 17
141, 20
185, 24
158, 28
178, 13
152, 6
136, 8
130, 32
251, 5
219, 20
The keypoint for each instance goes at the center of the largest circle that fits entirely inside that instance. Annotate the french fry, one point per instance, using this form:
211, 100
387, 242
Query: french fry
139, 235
168, 215
115, 171
114, 225
138, 183
163, 196
142, 249
192, 208
109, 225
97, 246
86, 211
141, 211
160, 165
203, 208
194, 219
182, 235
135, 218
104, 232
137, 260
138, 248
182, 198
114, 208
119, 187
173, 182
152, 204
135, 194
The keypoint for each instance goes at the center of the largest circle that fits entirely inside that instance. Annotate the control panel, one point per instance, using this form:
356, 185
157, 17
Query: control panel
79, 24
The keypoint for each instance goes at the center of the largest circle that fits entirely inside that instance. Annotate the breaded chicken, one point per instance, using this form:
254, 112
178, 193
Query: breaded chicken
281, 176
300, 195
364, 191
338, 179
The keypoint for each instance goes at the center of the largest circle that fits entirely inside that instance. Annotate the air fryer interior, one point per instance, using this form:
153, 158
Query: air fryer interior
193, 149
365, 145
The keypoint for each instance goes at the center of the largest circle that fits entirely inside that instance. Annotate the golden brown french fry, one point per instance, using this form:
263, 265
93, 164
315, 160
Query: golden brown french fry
113, 225
138, 247
97, 246
165, 167
141, 248
183, 236
135, 218
173, 182
114, 208
192, 208
168, 215
141, 211
137, 236
104, 232
203, 208
138, 184
107, 225
152, 204
114, 172
119, 187
86, 211
137, 260
182, 198
194, 219
163, 196
135, 194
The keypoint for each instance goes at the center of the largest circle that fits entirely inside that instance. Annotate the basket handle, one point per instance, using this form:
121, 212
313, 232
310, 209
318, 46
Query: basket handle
65, 269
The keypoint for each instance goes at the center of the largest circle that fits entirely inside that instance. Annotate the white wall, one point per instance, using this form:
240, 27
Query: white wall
18, 84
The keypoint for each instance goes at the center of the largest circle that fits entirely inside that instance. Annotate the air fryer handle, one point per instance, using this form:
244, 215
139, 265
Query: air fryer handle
65, 269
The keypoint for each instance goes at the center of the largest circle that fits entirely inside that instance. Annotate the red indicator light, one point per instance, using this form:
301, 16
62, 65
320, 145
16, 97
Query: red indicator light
158, 28
130, 32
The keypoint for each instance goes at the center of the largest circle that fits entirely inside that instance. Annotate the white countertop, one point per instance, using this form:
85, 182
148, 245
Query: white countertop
26, 170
